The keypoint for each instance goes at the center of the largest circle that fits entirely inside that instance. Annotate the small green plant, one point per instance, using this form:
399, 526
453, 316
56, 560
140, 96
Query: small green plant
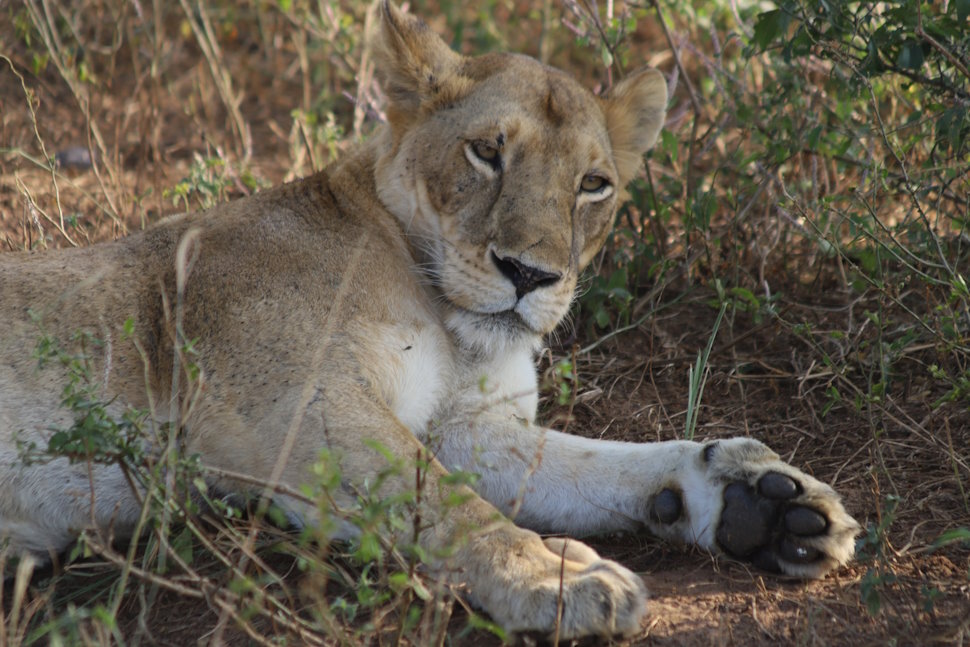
315, 138
697, 377
871, 548
95, 434
392, 581
608, 299
564, 381
211, 180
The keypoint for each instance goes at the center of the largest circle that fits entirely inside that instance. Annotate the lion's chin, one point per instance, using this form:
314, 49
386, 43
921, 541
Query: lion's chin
492, 332
504, 322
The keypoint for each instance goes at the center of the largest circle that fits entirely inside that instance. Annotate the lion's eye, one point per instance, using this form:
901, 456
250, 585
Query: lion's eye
487, 153
593, 183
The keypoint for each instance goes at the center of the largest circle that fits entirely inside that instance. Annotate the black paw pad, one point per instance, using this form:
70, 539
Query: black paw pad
745, 521
797, 554
667, 507
761, 525
805, 522
775, 485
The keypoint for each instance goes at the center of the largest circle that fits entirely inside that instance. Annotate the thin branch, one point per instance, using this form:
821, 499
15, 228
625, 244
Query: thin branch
935, 44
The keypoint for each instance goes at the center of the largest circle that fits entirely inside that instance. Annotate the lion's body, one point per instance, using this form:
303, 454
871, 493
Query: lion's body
398, 296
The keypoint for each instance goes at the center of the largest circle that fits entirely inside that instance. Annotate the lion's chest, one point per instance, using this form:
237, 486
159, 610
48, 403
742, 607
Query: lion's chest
414, 369
424, 378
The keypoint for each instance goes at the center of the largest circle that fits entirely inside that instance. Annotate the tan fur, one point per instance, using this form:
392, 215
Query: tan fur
379, 300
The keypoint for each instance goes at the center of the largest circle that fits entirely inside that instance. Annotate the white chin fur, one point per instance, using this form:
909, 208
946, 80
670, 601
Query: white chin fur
543, 309
490, 337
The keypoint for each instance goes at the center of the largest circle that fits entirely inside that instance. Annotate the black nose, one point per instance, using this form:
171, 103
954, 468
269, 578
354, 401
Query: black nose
523, 277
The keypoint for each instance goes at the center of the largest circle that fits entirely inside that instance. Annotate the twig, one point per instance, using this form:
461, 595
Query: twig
559, 598
50, 165
209, 44
935, 44
694, 100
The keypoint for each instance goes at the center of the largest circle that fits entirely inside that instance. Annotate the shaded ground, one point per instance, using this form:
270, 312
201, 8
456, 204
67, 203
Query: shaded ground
766, 382
756, 389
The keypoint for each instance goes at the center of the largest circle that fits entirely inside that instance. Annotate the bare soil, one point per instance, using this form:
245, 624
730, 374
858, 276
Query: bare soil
758, 388
765, 383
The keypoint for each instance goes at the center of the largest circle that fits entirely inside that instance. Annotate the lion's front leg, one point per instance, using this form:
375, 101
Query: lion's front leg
733, 496
523, 582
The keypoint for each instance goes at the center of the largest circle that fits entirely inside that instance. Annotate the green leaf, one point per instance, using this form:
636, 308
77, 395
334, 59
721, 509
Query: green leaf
770, 26
813, 137
963, 9
182, 545
670, 142
869, 591
602, 317
369, 548
910, 56
746, 295
398, 581
607, 56
952, 537
478, 622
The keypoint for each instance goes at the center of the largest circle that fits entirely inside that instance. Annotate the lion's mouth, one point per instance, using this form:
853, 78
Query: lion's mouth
507, 321
507, 318
503, 317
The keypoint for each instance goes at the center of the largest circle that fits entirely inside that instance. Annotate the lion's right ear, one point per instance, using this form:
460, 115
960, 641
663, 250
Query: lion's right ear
416, 67
635, 110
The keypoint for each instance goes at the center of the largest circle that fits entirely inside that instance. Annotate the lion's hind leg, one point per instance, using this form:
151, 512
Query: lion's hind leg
45, 506
556, 587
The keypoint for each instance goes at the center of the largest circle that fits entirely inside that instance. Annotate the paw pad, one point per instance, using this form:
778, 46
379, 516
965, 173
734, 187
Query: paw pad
762, 525
667, 507
778, 486
805, 522
792, 552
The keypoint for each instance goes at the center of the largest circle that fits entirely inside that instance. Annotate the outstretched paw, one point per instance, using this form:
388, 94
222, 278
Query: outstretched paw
753, 506
775, 516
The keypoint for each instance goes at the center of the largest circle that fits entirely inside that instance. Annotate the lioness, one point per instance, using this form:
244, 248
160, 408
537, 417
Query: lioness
400, 296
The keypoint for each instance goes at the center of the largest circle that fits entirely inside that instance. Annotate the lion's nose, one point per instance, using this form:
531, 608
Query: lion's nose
524, 277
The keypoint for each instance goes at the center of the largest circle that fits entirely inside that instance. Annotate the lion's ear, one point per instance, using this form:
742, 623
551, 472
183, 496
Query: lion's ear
416, 67
635, 110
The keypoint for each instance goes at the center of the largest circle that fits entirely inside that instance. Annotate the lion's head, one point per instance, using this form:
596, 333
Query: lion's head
505, 174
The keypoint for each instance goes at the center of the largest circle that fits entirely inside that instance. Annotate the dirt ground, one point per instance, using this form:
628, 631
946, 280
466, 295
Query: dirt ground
632, 387
700, 600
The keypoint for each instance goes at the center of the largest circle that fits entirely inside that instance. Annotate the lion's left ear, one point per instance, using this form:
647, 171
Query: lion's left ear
415, 66
635, 110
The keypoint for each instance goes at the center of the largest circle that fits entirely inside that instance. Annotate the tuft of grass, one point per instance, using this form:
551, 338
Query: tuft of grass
697, 377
